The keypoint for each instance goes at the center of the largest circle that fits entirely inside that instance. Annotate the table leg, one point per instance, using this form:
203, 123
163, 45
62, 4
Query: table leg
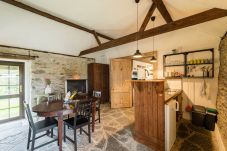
93, 115
48, 131
60, 125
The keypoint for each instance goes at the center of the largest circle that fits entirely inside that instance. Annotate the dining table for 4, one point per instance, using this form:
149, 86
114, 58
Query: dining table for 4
58, 109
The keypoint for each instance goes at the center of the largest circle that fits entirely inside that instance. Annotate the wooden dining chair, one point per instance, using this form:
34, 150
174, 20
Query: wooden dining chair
81, 119
97, 96
38, 127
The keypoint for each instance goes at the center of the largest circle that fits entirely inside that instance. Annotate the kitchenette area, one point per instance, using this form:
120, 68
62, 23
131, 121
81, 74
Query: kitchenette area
162, 101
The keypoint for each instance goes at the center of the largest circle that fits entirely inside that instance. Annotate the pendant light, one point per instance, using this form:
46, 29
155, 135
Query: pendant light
153, 59
138, 53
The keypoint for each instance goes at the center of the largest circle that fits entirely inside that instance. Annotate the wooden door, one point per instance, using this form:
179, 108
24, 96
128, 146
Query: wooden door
120, 80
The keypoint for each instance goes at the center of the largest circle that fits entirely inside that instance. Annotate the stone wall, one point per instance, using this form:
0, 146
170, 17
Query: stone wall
222, 90
55, 67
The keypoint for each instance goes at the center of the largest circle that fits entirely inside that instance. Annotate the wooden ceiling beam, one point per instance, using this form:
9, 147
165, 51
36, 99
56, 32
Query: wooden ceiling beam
41, 51
17, 56
147, 18
199, 18
97, 38
52, 17
162, 9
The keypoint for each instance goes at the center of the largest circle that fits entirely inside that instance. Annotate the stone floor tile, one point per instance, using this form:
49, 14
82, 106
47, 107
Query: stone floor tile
114, 145
114, 133
187, 146
203, 141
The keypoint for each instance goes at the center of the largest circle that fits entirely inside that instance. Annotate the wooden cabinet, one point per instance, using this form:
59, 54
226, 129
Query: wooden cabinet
98, 80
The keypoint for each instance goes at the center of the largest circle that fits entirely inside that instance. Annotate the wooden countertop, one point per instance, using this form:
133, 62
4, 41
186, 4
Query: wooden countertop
170, 94
154, 80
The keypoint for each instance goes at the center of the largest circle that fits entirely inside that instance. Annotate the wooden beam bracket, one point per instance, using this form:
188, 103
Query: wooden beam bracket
96, 37
162, 9
147, 18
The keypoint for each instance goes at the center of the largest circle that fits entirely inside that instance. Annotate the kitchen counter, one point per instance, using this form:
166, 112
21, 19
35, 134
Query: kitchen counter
150, 97
171, 94
154, 80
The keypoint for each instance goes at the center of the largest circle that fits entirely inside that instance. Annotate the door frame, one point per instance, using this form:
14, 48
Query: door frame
22, 93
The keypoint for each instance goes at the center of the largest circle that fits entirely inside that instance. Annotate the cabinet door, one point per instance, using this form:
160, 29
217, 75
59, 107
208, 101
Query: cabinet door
121, 90
105, 83
98, 80
90, 78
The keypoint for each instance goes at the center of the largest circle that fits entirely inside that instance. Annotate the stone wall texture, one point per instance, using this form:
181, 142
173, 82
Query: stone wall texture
55, 67
222, 90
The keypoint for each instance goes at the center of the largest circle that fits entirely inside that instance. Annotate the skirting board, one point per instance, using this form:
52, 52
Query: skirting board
219, 139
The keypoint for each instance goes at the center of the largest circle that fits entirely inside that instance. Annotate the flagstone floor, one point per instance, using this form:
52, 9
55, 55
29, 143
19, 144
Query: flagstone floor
114, 133
194, 138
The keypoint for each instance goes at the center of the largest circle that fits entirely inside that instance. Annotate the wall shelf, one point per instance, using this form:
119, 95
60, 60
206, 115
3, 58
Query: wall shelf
186, 65
174, 77
173, 65
199, 64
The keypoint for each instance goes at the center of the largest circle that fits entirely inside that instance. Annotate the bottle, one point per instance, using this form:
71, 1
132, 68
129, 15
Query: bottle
134, 74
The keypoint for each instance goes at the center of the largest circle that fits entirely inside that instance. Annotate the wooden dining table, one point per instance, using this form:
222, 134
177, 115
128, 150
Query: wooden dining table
59, 109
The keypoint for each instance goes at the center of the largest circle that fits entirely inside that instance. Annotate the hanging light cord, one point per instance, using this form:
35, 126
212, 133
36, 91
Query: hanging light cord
153, 39
137, 42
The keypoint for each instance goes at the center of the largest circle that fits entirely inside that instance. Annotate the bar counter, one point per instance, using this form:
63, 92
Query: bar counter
150, 97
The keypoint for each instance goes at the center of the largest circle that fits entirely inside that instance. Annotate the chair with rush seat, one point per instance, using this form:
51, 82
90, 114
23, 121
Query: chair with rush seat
81, 119
38, 127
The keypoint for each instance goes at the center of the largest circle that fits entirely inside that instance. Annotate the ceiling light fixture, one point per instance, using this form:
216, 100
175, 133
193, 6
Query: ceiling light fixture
138, 53
153, 58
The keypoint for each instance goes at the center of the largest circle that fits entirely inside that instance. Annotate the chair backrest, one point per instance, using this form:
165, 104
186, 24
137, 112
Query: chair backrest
97, 95
29, 115
51, 98
83, 109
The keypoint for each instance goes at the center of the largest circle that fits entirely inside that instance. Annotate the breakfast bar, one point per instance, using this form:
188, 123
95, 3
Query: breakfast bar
149, 98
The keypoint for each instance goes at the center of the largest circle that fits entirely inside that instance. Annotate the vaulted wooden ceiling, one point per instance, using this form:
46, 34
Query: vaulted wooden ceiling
170, 25
112, 26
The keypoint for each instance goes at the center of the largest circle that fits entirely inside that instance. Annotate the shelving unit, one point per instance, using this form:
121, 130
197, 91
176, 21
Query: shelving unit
173, 65
185, 65
199, 64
